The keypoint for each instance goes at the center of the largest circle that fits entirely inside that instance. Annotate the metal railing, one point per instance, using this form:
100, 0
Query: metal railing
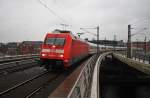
95, 81
81, 86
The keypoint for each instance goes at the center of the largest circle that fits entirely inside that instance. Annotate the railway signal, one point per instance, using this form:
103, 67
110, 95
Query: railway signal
79, 34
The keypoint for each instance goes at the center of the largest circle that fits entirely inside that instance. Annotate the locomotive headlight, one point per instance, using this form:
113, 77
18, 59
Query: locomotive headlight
43, 54
54, 46
61, 55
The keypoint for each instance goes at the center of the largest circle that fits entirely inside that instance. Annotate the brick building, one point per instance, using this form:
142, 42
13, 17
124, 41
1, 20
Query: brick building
30, 47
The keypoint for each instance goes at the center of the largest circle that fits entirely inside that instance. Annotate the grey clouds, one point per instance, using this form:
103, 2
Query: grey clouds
29, 20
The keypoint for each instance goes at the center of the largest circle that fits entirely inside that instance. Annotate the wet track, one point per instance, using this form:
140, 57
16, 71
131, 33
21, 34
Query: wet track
12, 86
117, 80
10, 67
18, 77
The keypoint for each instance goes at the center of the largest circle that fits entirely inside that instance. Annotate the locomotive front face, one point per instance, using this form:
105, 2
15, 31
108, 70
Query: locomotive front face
53, 48
62, 49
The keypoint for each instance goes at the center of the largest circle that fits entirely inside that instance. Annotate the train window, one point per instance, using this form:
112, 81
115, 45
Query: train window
60, 41
55, 41
50, 41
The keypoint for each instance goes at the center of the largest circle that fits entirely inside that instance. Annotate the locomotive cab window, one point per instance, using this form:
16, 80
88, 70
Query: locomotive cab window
55, 41
50, 41
60, 41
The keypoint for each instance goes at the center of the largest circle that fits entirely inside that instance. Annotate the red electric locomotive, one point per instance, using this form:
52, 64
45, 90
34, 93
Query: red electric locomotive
62, 49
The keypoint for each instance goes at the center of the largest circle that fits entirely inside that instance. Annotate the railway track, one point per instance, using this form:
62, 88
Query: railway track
17, 58
10, 67
29, 87
42, 84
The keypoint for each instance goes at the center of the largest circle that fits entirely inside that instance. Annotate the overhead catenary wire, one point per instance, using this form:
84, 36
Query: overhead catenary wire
51, 11
140, 20
65, 24
139, 32
88, 31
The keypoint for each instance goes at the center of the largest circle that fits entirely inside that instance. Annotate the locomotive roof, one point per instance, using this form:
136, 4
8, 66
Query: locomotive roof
57, 31
61, 31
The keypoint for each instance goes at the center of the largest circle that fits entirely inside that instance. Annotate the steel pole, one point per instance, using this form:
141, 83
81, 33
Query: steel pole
129, 47
97, 39
145, 50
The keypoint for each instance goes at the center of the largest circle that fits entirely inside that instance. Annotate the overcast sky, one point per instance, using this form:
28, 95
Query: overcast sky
30, 20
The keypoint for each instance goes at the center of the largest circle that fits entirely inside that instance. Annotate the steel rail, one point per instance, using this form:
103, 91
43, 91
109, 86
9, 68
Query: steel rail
23, 83
15, 64
16, 56
17, 59
5, 72
42, 86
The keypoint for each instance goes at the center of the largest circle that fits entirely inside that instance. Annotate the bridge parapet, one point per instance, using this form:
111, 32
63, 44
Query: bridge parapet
79, 83
95, 79
81, 86
135, 64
